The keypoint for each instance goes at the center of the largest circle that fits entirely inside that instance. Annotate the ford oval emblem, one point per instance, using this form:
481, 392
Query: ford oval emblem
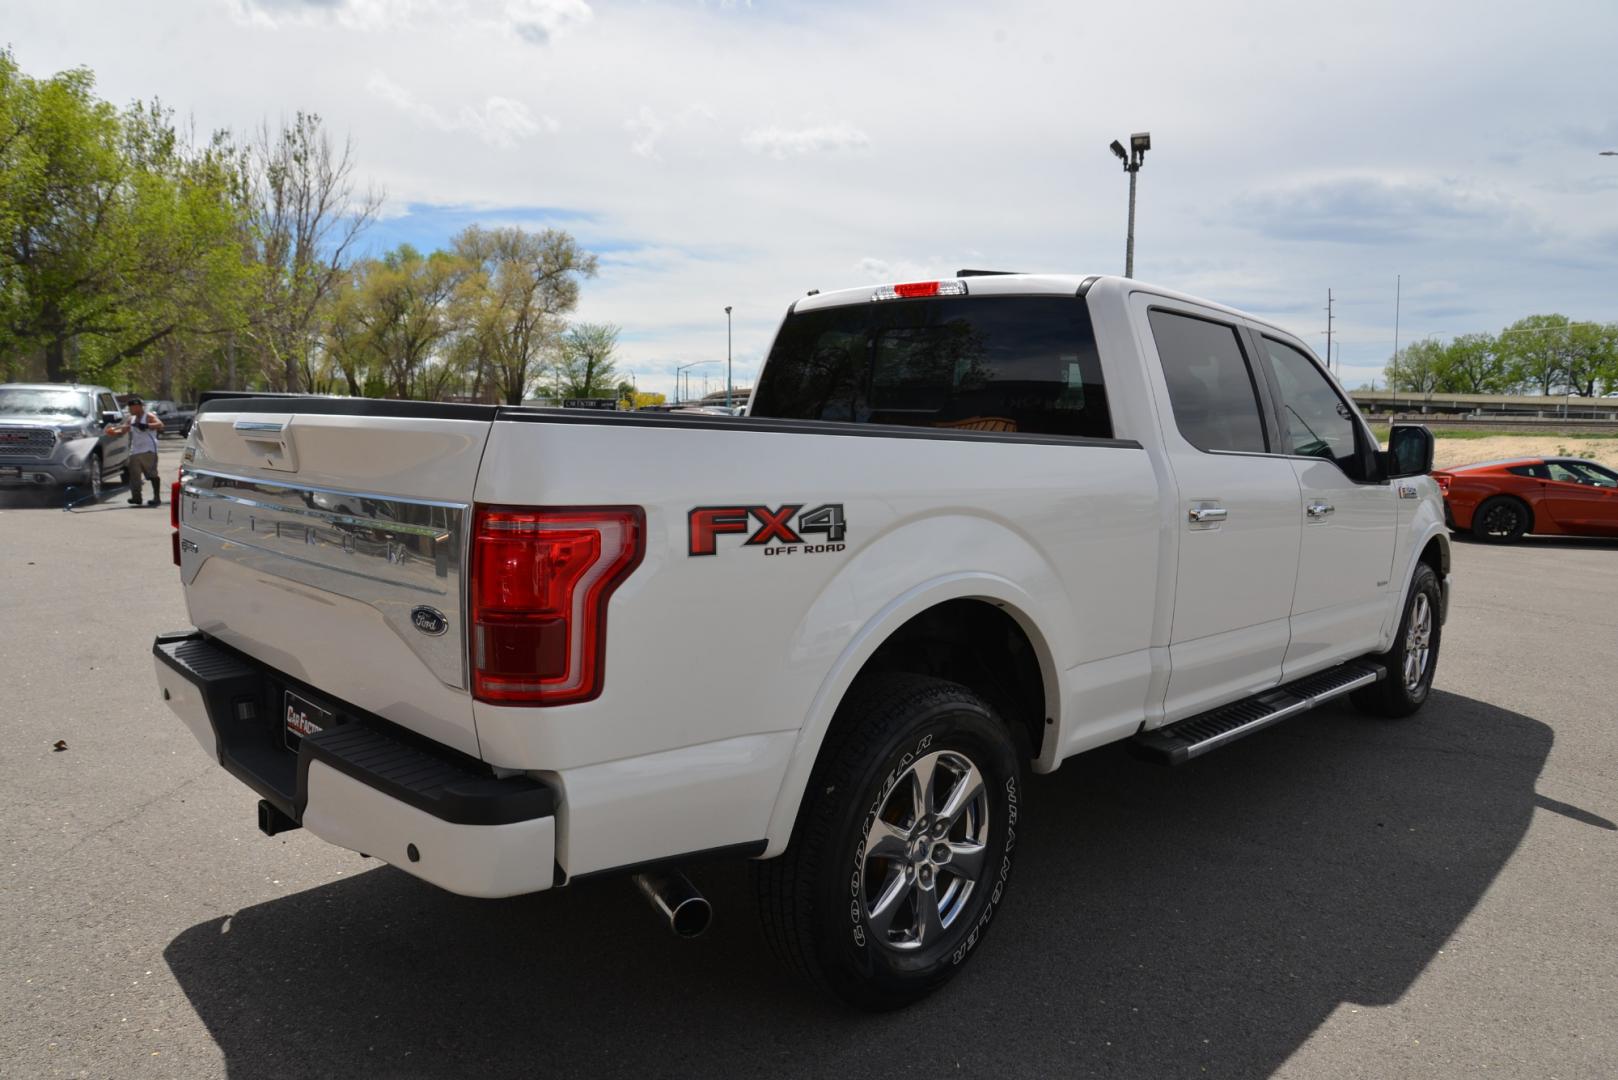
429, 620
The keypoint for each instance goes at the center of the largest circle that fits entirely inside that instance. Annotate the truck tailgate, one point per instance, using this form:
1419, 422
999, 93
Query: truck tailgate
333, 548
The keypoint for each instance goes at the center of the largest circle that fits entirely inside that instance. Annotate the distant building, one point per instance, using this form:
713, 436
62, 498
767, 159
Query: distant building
739, 395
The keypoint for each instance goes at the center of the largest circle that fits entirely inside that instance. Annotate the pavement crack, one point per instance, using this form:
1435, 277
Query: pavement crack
141, 808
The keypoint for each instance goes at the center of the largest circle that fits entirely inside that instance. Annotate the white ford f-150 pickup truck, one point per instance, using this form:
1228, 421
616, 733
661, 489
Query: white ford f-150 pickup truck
967, 528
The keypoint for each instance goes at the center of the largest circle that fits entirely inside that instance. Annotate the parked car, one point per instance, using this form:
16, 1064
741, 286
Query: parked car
54, 435
176, 417
1501, 501
967, 528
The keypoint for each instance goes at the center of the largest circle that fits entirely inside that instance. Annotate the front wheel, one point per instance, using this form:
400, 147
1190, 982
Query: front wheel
903, 846
96, 481
1414, 656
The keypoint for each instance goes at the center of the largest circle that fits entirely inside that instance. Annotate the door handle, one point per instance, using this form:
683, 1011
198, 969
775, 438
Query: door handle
1318, 510
1206, 514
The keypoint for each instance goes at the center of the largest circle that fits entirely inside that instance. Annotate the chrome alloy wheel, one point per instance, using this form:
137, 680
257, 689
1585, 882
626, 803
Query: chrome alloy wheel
1418, 641
95, 479
925, 850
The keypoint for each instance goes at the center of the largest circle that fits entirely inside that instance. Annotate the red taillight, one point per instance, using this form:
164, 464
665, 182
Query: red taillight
541, 579
1443, 483
174, 519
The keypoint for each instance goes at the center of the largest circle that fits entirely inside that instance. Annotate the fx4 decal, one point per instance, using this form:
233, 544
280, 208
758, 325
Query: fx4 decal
774, 527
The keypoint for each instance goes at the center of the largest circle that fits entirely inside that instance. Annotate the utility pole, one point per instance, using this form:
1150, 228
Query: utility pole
727, 357
1397, 282
1328, 328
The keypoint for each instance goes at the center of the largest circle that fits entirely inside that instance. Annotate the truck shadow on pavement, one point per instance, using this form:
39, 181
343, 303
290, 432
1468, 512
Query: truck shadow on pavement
1162, 922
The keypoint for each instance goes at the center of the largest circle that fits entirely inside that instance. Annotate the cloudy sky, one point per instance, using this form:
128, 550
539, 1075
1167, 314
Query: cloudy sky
741, 154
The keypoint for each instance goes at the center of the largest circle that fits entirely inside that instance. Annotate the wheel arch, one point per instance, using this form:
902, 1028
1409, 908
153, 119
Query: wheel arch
1431, 546
980, 605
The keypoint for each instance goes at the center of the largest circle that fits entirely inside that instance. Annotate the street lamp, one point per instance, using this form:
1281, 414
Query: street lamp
680, 370
1139, 143
727, 357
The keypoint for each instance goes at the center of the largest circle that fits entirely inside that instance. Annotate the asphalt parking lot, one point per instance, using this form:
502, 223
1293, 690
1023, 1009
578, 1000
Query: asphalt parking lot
1336, 897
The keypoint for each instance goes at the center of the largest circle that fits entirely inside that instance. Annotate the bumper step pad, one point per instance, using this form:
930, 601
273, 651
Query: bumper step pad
241, 698
1196, 735
443, 787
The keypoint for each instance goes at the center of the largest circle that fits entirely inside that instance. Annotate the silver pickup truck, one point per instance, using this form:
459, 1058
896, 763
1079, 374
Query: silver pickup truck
54, 435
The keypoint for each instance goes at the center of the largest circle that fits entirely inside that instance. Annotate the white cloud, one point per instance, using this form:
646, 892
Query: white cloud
500, 122
780, 143
533, 21
853, 143
646, 129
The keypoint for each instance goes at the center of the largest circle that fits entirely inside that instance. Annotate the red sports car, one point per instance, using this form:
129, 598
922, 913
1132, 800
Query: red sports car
1502, 500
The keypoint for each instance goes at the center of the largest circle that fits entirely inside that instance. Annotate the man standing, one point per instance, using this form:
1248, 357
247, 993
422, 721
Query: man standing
143, 428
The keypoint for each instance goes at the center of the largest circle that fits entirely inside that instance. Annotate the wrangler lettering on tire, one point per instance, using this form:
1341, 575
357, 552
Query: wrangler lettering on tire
903, 847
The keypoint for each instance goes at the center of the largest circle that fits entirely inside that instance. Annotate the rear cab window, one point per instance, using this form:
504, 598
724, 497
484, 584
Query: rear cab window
1013, 364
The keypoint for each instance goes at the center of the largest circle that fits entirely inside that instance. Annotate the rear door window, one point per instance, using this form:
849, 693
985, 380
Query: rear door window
1216, 404
1016, 364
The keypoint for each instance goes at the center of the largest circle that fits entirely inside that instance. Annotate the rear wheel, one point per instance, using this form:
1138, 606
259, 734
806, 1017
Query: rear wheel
1414, 656
903, 845
1500, 520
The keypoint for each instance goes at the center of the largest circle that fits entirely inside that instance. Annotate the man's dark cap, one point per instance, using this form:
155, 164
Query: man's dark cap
133, 399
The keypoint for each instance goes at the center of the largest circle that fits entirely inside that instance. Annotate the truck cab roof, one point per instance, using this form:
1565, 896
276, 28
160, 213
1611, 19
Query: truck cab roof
997, 284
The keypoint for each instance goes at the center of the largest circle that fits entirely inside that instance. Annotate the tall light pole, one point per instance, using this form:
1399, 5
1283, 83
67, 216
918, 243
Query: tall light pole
681, 371
1139, 143
727, 357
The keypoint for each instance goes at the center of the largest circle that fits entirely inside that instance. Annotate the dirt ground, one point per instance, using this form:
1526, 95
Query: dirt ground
1453, 452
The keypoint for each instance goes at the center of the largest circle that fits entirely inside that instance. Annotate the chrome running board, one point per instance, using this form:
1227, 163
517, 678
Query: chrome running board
1194, 736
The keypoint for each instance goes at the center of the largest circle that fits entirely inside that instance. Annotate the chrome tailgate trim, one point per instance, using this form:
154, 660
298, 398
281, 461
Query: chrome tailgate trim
392, 554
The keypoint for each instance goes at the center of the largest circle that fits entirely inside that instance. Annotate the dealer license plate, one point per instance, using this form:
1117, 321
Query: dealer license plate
10, 472
303, 717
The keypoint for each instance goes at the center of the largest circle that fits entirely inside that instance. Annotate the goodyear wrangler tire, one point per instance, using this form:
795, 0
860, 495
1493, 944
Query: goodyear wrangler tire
903, 846
1414, 657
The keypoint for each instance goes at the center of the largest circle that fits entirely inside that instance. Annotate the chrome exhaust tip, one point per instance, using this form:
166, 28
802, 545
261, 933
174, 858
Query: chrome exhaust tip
671, 893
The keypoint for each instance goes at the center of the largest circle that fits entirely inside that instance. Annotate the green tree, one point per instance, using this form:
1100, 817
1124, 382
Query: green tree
1472, 364
404, 307
1592, 357
117, 231
304, 218
346, 334
519, 286
1416, 368
1537, 352
584, 366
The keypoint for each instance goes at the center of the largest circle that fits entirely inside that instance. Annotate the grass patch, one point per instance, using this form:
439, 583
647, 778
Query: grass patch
1381, 432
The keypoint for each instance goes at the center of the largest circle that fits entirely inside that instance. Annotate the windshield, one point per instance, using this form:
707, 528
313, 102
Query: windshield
22, 402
